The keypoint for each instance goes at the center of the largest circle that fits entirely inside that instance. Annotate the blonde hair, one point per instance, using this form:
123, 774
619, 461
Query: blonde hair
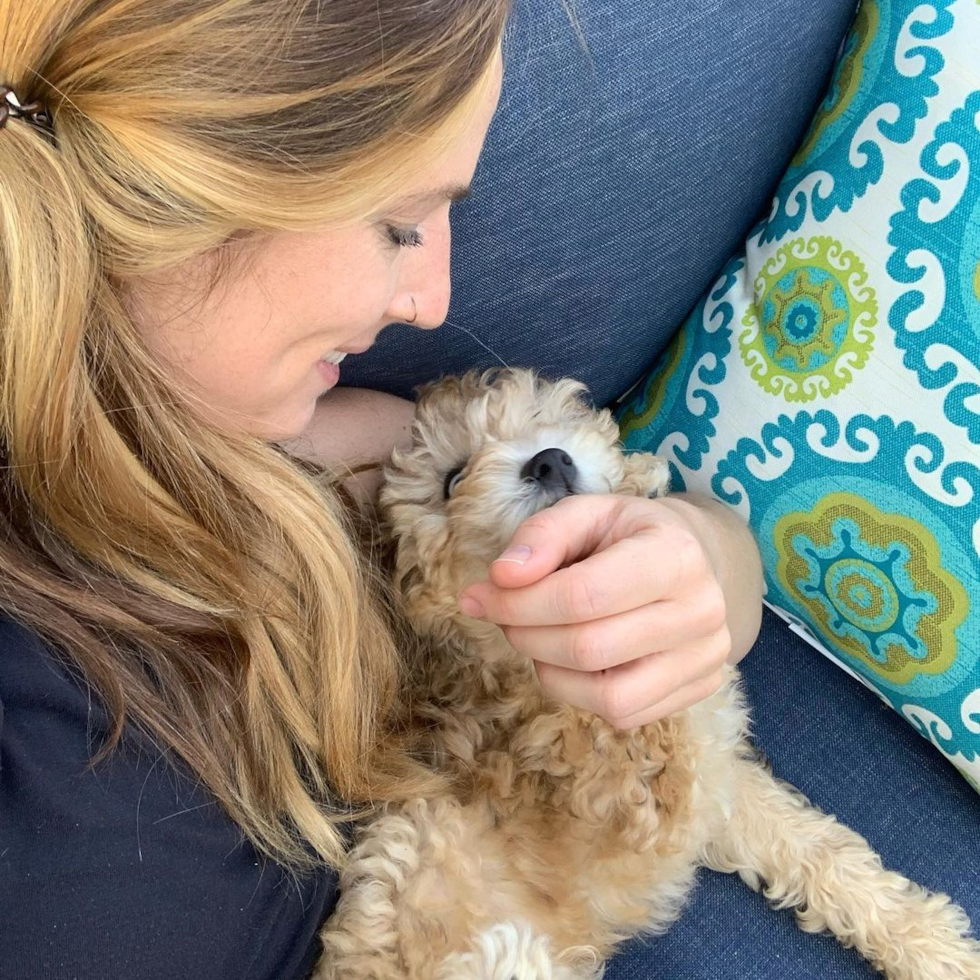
209, 586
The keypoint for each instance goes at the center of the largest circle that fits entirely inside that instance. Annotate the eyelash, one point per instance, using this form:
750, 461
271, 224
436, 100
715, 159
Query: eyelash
403, 237
449, 484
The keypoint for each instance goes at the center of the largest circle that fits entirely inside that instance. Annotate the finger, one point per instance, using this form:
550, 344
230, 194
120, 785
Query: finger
685, 697
625, 691
614, 640
652, 564
556, 536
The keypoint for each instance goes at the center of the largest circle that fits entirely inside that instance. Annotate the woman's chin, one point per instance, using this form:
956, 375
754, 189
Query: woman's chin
282, 427
296, 428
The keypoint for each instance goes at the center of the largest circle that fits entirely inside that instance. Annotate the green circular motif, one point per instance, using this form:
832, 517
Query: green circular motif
969, 267
811, 325
863, 594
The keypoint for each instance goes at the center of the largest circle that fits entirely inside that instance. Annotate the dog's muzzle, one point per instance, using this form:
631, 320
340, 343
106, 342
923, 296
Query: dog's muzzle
552, 470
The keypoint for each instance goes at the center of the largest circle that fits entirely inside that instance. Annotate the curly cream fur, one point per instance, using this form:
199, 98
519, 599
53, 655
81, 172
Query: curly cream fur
565, 836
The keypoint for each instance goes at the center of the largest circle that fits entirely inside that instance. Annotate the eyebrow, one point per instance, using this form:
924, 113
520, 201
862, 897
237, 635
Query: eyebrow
449, 192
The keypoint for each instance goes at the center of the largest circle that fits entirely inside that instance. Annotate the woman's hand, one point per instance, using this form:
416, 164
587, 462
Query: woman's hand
626, 604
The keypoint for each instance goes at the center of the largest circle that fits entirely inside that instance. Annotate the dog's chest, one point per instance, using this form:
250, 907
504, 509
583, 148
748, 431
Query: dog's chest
532, 761
567, 772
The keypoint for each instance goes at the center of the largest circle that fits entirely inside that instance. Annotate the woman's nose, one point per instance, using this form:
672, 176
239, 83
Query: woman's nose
422, 299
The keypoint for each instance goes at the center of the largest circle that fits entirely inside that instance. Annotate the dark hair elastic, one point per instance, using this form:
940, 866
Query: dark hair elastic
35, 113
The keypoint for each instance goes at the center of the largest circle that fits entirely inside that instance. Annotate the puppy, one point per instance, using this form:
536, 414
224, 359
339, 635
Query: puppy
563, 836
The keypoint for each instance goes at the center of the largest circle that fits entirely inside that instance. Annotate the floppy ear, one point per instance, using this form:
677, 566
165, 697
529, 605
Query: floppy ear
418, 550
646, 475
421, 572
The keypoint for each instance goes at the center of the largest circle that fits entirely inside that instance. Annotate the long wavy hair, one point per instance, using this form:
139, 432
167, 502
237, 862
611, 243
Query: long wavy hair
209, 587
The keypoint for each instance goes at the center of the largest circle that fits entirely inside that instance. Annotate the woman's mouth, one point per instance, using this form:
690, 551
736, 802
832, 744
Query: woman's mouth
328, 366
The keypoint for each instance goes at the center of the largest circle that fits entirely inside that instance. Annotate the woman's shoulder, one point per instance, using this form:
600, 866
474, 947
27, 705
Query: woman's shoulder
128, 867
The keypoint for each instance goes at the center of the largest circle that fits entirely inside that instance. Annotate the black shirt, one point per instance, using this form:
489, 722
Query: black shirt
130, 870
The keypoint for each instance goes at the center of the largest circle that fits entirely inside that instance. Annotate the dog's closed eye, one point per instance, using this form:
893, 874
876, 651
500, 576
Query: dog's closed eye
451, 482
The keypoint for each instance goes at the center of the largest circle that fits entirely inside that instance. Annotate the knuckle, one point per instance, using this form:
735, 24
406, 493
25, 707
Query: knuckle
581, 598
709, 686
541, 523
624, 724
613, 701
724, 649
687, 556
587, 652
685, 545
714, 609
714, 651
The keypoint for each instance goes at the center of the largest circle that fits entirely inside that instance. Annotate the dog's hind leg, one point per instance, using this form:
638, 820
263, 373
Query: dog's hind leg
361, 939
805, 859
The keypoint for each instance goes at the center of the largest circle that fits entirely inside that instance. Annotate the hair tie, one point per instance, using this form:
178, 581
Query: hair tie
36, 113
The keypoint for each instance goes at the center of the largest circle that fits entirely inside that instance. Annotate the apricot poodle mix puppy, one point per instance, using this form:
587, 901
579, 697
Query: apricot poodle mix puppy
563, 836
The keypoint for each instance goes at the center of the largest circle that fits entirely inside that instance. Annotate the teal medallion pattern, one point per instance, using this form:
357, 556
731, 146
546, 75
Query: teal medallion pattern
880, 88
680, 382
827, 386
952, 162
872, 566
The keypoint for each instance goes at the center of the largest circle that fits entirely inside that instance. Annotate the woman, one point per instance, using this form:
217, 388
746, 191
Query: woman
197, 665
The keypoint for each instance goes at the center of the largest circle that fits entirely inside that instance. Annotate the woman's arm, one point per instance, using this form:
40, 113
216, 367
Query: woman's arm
733, 553
352, 427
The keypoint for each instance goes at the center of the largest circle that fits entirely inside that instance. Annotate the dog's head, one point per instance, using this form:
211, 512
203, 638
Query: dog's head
488, 451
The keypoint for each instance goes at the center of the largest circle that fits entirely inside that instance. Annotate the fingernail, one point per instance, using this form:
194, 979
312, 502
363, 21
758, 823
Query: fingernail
470, 607
518, 555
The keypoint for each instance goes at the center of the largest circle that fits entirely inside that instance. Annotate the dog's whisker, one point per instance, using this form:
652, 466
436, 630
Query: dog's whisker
459, 326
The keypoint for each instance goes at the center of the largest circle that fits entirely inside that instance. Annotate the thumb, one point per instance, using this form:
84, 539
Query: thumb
555, 537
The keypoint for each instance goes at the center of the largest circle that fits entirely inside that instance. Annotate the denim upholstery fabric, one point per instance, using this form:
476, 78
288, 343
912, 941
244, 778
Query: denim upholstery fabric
610, 193
815, 725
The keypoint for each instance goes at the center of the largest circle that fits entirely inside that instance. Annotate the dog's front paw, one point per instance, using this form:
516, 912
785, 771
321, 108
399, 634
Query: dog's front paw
647, 475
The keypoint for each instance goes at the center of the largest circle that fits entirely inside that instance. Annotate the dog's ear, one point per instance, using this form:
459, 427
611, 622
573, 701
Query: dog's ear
646, 475
420, 559
434, 392
459, 387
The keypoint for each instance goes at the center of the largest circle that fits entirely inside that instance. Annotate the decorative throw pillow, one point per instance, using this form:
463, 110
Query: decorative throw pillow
828, 384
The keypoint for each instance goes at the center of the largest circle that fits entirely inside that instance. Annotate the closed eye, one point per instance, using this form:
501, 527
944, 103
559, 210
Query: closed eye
403, 237
451, 482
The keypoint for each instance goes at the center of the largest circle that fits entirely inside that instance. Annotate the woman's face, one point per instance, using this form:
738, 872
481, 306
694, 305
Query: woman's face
253, 350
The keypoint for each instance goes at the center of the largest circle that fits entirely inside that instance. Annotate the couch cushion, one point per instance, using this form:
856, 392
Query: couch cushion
828, 383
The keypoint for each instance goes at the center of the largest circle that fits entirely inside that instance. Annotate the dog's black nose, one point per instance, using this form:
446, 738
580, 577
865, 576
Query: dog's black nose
553, 469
